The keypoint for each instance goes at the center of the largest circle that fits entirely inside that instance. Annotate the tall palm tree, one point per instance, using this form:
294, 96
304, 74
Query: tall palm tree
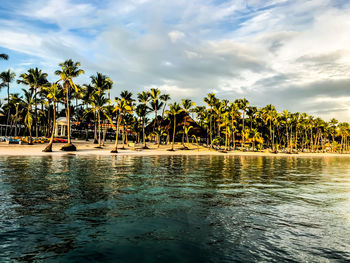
15, 102
174, 109
98, 105
86, 97
155, 93
225, 122
143, 98
286, 121
53, 94
164, 98
68, 71
242, 104
122, 107
269, 116
141, 111
187, 104
126, 95
251, 112
7, 77
101, 83
36, 80
295, 118
154, 105
333, 126
211, 100
28, 102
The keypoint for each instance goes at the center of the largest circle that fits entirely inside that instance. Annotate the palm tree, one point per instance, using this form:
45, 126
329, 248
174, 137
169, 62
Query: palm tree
142, 111
174, 109
121, 108
187, 104
164, 98
53, 93
127, 96
127, 119
155, 93
251, 112
7, 77
108, 114
211, 100
4, 56
234, 116
225, 122
242, 104
98, 105
256, 137
28, 101
101, 83
333, 126
15, 102
69, 70
286, 120
295, 120
269, 113
35, 79
86, 97
143, 98
154, 105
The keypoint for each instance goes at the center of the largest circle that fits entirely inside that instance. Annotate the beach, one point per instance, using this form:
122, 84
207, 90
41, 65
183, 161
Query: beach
88, 148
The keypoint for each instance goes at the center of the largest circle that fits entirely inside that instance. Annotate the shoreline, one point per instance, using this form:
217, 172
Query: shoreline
88, 148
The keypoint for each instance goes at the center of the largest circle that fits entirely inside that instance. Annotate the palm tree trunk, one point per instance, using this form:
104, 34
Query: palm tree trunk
226, 139
36, 113
68, 116
16, 119
243, 137
287, 136
49, 146
8, 102
104, 133
95, 128
144, 134
115, 149
99, 128
271, 136
69, 146
234, 140
30, 136
296, 137
211, 129
172, 145
163, 110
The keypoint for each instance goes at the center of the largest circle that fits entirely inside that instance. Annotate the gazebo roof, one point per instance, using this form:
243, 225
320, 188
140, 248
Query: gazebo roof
61, 121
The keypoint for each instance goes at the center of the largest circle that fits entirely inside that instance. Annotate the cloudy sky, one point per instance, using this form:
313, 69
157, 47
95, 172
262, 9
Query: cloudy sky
294, 54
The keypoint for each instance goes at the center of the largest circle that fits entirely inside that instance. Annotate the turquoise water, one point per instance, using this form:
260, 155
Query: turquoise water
174, 209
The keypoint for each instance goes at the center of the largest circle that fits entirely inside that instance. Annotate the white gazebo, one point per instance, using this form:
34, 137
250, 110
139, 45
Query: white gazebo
61, 127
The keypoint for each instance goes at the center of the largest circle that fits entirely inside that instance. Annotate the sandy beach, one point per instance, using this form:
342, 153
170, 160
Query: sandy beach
88, 148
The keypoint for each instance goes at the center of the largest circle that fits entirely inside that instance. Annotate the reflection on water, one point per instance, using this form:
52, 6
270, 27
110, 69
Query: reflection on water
174, 208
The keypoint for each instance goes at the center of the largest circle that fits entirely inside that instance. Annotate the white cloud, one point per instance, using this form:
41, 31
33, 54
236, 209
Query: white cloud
175, 36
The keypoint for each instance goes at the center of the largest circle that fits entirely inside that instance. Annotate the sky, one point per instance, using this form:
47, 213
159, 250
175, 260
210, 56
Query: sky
293, 54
